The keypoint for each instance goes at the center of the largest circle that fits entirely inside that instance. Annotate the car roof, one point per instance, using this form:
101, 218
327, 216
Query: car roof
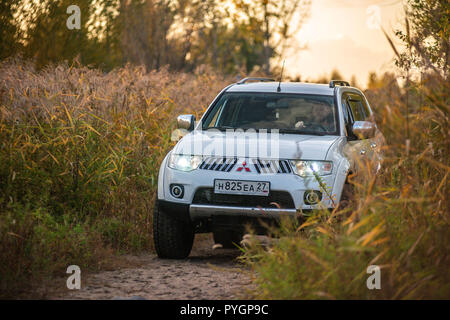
286, 87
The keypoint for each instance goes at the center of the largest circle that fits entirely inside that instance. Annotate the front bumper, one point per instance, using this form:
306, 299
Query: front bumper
195, 213
198, 211
193, 181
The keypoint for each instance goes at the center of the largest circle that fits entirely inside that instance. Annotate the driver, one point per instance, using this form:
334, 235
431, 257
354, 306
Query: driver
321, 115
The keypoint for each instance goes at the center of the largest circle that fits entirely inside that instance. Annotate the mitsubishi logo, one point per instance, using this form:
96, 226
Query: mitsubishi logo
244, 166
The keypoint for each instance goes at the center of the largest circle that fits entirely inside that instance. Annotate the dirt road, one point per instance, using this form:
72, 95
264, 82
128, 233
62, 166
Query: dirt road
206, 274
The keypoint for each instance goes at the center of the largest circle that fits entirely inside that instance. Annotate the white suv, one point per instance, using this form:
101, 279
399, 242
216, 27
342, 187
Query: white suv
261, 150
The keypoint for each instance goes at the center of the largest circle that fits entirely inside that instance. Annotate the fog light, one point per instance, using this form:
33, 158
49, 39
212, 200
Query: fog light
312, 197
177, 190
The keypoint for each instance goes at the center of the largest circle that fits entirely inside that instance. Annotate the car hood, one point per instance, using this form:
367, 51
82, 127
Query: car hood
255, 145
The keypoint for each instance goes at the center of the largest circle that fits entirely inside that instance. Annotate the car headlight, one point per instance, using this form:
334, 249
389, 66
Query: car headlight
310, 168
184, 162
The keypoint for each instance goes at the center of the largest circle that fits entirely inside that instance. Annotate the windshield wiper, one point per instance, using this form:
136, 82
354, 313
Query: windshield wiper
220, 128
292, 131
315, 133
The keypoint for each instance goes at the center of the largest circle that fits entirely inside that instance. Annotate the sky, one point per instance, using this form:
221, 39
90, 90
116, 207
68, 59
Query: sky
345, 35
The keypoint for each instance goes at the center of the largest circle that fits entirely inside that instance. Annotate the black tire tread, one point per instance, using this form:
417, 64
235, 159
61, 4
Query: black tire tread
173, 238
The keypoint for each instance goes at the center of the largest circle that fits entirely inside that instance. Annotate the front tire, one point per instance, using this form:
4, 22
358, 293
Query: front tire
173, 237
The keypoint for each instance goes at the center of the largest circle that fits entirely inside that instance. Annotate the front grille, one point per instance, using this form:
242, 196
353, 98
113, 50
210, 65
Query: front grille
218, 164
207, 196
272, 166
261, 166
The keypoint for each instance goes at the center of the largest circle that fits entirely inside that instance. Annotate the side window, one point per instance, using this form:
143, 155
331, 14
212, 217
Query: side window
211, 119
356, 106
365, 108
228, 112
214, 120
359, 107
345, 109
348, 117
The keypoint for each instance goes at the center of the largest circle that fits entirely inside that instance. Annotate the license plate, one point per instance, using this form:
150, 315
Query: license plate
255, 188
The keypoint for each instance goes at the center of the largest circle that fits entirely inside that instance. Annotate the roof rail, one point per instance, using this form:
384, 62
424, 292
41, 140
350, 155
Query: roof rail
255, 79
334, 83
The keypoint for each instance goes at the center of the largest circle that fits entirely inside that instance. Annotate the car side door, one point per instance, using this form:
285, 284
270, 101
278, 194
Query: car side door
376, 143
361, 152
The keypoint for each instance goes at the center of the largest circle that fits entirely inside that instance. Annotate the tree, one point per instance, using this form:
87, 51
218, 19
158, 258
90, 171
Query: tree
9, 31
233, 36
216, 36
277, 23
47, 38
427, 35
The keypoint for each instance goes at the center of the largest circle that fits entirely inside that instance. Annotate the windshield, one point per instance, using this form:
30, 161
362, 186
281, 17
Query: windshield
289, 113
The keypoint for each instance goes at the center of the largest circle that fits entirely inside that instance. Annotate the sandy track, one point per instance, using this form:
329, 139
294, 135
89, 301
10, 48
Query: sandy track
206, 274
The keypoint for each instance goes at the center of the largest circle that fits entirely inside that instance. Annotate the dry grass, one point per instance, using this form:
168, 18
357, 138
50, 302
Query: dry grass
399, 220
79, 158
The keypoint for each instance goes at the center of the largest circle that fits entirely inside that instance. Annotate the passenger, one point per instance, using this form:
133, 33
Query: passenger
321, 117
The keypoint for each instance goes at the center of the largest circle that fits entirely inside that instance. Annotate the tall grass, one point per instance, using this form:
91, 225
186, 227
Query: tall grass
79, 158
399, 219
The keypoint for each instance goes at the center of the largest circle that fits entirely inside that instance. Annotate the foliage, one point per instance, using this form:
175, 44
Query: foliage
399, 219
80, 148
154, 33
427, 35
9, 32
277, 21
79, 158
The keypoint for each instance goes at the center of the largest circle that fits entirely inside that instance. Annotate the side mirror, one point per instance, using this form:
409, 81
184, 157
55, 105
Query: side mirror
186, 121
364, 129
